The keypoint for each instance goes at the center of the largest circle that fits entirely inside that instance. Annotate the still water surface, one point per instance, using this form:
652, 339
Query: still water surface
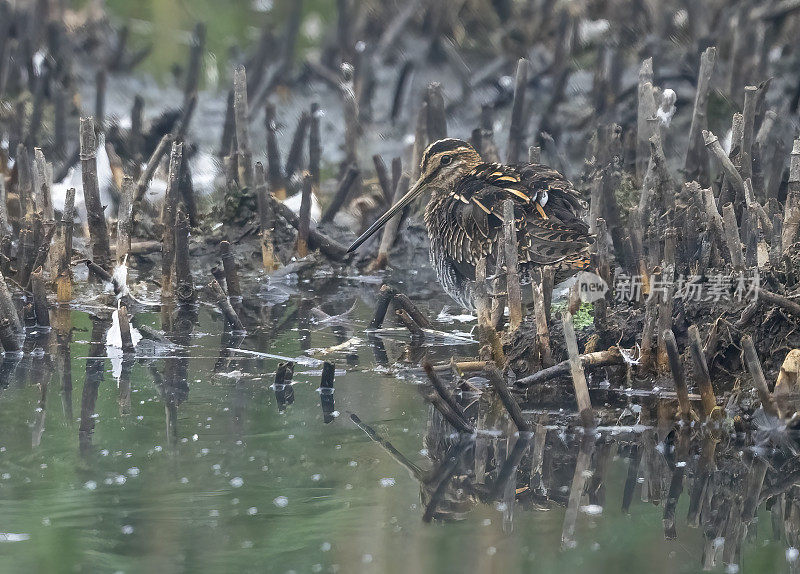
200, 468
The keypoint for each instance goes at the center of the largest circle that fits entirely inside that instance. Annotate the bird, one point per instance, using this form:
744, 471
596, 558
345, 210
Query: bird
464, 217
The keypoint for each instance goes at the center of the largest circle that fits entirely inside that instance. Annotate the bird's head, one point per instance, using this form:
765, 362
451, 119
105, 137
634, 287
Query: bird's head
443, 162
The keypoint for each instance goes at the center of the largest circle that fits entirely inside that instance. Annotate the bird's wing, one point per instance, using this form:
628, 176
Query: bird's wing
546, 212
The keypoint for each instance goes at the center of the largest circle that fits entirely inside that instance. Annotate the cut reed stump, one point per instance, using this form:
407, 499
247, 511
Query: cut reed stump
578, 374
96, 219
168, 213
231, 269
183, 271
221, 299
759, 382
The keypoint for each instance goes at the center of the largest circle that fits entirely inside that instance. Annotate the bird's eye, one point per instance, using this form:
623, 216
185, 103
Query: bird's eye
447, 160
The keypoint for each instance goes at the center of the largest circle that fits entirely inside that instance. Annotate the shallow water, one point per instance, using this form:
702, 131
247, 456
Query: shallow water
208, 472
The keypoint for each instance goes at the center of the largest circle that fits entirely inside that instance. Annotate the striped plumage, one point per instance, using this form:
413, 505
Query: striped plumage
464, 216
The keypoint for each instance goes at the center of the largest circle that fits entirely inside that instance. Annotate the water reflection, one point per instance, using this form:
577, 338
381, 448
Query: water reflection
252, 453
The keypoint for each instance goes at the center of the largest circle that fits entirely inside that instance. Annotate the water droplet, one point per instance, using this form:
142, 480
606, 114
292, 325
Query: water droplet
237, 481
90, 485
281, 501
252, 510
387, 482
127, 529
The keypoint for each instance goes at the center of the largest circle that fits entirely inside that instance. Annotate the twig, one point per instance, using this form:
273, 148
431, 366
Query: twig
754, 366
578, 375
341, 193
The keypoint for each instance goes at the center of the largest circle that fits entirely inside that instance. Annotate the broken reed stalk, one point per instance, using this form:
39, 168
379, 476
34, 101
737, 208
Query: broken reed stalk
266, 219
694, 154
64, 270
224, 304
304, 216
578, 374
759, 382
316, 240
231, 271
678, 376
499, 385
732, 239
43, 177
748, 131
95, 216
152, 164
385, 297
512, 266
294, 159
196, 54
7, 308
125, 330
595, 359
402, 301
240, 114
183, 271
779, 300
436, 119
405, 319
731, 173
442, 389
124, 220
383, 178
516, 131
44, 245
341, 193
314, 146
40, 306
390, 229
646, 112
277, 185
701, 375
5, 226
791, 213
168, 213
9, 337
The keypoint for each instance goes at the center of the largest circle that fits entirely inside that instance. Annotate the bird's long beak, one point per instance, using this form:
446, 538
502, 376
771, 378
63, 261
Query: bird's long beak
412, 194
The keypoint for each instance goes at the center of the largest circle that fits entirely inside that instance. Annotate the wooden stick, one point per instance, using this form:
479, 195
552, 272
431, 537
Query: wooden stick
512, 266
316, 240
294, 159
385, 297
732, 239
40, 306
645, 128
305, 217
595, 359
64, 277
576, 368
390, 229
442, 389
410, 324
780, 301
754, 366
125, 330
219, 297
701, 375
96, 219
152, 164
183, 271
168, 213
277, 185
715, 149
402, 301
694, 157
748, 131
231, 272
241, 114
341, 193
196, 53
791, 214
124, 220
314, 146
516, 131
678, 376
501, 388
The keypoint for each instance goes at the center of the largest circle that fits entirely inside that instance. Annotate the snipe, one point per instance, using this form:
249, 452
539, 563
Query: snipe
464, 216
